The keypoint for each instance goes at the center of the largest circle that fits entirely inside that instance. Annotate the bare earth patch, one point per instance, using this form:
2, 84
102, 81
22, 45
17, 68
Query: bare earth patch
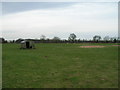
115, 45
92, 46
97, 46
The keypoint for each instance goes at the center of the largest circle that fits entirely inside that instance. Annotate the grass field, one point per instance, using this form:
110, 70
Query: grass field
60, 66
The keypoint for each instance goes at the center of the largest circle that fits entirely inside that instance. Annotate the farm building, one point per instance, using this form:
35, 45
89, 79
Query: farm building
27, 44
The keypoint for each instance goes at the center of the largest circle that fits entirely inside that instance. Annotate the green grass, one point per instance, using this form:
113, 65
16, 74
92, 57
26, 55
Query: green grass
60, 66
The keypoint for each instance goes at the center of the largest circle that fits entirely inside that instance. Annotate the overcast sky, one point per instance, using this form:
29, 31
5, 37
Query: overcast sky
33, 19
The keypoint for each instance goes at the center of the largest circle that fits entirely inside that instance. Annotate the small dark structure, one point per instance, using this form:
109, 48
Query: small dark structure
27, 44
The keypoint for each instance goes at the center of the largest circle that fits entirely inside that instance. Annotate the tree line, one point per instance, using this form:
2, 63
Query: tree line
71, 39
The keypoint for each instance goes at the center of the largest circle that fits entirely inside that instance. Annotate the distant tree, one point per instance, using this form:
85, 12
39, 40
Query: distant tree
72, 37
19, 40
113, 39
106, 38
42, 37
13, 41
56, 38
118, 39
96, 38
2, 40
79, 40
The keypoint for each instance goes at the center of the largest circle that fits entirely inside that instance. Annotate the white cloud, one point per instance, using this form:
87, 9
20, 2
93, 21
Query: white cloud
81, 17
59, 0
